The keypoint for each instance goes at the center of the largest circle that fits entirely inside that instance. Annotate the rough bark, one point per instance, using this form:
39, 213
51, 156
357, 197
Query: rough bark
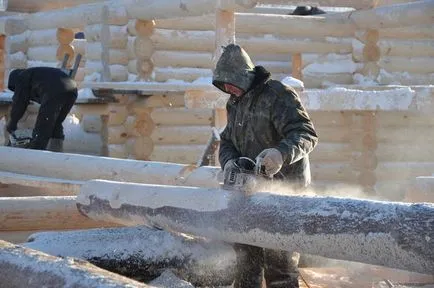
142, 253
392, 234
24, 267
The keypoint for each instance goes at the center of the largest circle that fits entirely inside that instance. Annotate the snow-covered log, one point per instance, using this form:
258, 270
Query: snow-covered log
390, 16
85, 167
404, 78
16, 60
165, 39
50, 53
24, 267
145, 251
94, 51
182, 135
79, 16
177, 59
43, 213
391, 234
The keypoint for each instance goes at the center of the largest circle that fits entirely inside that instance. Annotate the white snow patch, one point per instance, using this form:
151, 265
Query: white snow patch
337, 66
336, 98
293, 82
154, 196
364, 80
94, 77
169, 280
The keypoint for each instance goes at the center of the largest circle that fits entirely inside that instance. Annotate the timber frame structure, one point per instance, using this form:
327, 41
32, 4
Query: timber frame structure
145, 95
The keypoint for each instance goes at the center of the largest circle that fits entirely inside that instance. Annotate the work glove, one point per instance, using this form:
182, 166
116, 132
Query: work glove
271, 159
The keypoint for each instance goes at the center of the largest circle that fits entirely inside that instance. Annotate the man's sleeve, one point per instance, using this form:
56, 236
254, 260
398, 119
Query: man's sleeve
227, 149
293, 123
20, 101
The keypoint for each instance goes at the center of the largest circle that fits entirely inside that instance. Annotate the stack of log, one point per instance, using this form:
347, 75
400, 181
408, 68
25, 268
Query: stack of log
48, 47
143, 48
106, 49
13, 47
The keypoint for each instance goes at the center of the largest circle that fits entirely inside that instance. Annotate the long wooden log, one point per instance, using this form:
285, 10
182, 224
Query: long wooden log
16, 43
31, 6
363, 4
24, 267
402, 170
79, 16
421, 190
146, 252
391, 16
182, 116
390, 234
43, 213
409, 32
185, 154
272, 24
23, 161
12, 25
165, 39
418, 65
118, 37
182, 135
404, 78
162, 74
54, 187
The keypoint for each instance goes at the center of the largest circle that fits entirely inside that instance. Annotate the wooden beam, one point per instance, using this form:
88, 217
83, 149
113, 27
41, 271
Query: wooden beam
31, 268
84, 167
43, 213
60, 186
390, 234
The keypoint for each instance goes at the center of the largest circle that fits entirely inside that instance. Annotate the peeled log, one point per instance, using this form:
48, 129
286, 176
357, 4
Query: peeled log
143, 48
144, 68
182, 59
409, 48
118, 37
24, 267
409, 32
162, 74
418, 65
43, 213
146, 252
404, 78
182, 116
204, 41
182, 135
16, 60
85, 167
94, 51
50, 37
391, 234
16, 43
186, 154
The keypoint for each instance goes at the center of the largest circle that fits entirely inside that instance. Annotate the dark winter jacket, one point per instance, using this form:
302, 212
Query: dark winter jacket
38, 84
268, 115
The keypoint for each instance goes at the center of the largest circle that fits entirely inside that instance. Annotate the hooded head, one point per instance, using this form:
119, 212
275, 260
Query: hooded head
234, 67
13, 78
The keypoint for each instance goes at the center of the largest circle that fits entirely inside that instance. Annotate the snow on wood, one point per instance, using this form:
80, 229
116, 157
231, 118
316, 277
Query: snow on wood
162, 74
85, 167
31, 268
43, 213
165, 39
404, 78
16, 43
391, 16
145, 251
271, 24
391, 234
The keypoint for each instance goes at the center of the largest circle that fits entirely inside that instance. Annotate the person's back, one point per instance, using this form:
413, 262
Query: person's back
54, 90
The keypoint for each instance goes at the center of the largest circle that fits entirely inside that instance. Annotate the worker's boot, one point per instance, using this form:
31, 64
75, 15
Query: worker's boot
55, 145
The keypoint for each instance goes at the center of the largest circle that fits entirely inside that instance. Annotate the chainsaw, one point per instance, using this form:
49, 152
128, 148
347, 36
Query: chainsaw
245, 176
